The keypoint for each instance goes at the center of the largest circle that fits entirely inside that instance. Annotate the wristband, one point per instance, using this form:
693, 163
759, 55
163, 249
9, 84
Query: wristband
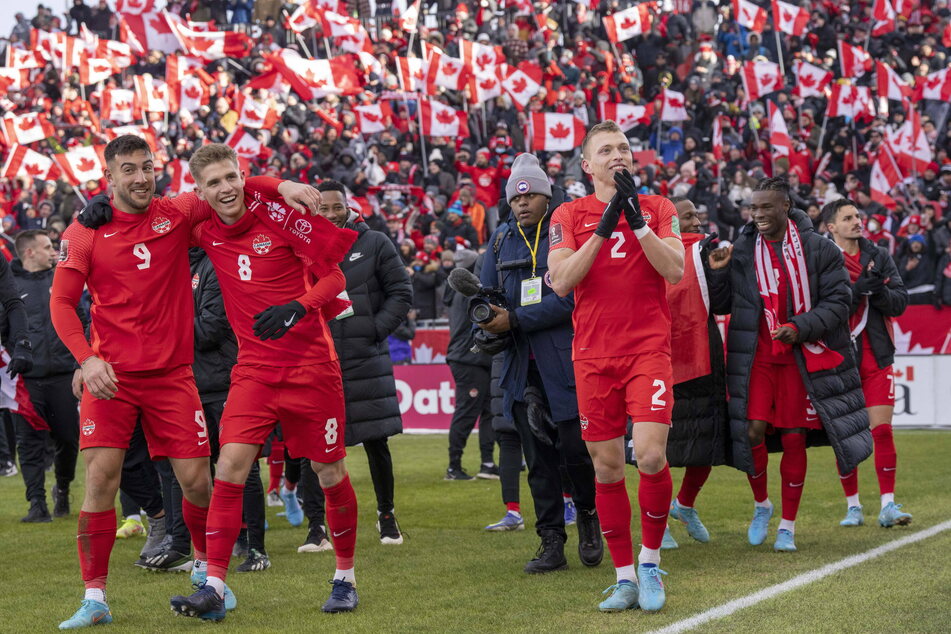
643, 231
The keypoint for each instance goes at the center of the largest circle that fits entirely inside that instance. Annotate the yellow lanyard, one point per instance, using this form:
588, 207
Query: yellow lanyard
533, 251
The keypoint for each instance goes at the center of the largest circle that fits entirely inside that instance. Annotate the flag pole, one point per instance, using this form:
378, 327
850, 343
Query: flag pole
300, 40
779, 54
422, 137
80, 195
485, 124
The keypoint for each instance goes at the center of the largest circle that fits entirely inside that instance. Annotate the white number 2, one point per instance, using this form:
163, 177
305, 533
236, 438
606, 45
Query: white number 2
330, 437
656, 400
244, 267
142, 252
616, 249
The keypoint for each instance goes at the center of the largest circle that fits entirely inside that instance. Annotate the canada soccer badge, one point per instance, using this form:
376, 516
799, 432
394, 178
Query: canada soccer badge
161, 225
261, 244
88, 427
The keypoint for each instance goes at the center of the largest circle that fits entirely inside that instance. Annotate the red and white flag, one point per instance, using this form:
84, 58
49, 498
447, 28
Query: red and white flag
447, 72
372, 118
182, 180
15, 397
13, 79
481, 59
909, 144
523, 82
854, 60
673, 106
441, 120
180, 67
626, 115
22, 59
717, 139
850, 101
119, 54
189, 94
411, 75
778, 133
255, 114
135, 7
885, 176
94, 70
884, 15
790, 18
760, 79
889, 84
245, 144
628, 23
410, 17
26, 128
750, 15
936, 85
83, 164
811, 81
23, 162
152, 94
147, 32
310, 12
210, 45
321, 77
556, 132
118, 105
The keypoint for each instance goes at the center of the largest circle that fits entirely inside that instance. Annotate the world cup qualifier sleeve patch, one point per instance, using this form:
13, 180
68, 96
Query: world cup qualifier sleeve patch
555, 235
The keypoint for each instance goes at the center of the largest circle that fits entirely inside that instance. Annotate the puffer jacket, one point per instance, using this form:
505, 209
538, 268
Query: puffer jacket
216, 349
890, 302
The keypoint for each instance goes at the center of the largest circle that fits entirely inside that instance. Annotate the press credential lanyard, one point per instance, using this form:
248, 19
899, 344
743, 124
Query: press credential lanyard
532, 287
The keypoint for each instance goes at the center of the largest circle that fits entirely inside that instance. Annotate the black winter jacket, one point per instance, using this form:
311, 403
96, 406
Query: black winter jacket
216, 349
836, 394
382, 294
890, 302
461, 330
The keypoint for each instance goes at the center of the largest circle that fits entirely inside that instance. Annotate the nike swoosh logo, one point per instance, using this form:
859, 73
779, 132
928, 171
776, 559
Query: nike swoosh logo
607, 531
796, 485
656, 517
843, 477
589, 224
212, 532
109, 235
290, 322
887, 469
329, 449
23, 295
201, 442
654, 409
343, 532
214, 244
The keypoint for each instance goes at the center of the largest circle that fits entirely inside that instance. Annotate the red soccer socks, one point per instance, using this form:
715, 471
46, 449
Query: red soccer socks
342, 521
223, 526
196, 519
886, 459
758, 481
694, 479
792, 470
653, 496
614, 511
96, 536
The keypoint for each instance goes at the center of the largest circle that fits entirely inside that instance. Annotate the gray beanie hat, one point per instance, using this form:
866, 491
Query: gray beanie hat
527, 177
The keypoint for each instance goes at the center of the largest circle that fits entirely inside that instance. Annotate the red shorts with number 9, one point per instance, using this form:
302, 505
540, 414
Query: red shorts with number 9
612, 388
878, 384
307, 400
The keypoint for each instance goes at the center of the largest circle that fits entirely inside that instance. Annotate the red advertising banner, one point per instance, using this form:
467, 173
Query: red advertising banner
427, 396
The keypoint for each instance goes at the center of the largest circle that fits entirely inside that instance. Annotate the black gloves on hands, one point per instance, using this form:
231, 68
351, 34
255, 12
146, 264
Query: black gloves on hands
627, 188
610, 217
705, 245
274, 322
869, 283
98, 211
22, 360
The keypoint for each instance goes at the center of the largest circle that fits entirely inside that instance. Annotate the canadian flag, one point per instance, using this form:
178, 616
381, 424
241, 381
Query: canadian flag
628, 23
445, 71
118, 105
189, 94
778, 133
180, 67
935, 85
411, 73
255, 114
319, 76
15, 397
854, 60
119, 54
441, 120
245, 144
152, 94
717, 140
850, 101
336, 25
360, 43
889, 84
21, 59
94, 70
83, 164
556, 132
142, 131
523, 82
626, 115
479, 58
885, 176
910, 145
486, 86
410, 17
45, 43
885, 16
13, 79
147, 32
372, 118
309, 14
811, 81
761, 79
750, 15
135, 7
790, 18
210, 45
672, 108
182, 180
26, 128
24, 162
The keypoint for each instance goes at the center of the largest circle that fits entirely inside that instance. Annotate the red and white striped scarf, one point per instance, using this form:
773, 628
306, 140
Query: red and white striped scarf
818, 355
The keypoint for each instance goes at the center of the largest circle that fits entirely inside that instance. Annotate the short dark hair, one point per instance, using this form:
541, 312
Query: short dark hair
677, 199
123, 145
24, 240
331, 185
831, 210
774, 184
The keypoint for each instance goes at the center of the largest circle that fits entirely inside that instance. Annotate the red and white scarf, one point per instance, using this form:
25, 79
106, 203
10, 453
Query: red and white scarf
859, 319
818, 355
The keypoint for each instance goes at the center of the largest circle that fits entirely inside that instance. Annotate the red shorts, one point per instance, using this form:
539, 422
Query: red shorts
778, 396
168, 404
307, 400
878, 384
612, 388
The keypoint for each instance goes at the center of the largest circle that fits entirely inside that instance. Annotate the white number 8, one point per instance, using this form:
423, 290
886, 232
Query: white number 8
142, 252
330, 437
244, 267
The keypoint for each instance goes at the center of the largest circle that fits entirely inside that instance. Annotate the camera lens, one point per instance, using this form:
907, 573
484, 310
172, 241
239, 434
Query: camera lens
481, 313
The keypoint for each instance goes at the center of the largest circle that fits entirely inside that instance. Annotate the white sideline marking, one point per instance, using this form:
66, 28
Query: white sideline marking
801, 580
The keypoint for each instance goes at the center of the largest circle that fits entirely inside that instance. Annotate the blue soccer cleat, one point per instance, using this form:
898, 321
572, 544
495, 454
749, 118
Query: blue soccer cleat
652, 595
511, 522
669, 543
891, 515
689, 516
343, 597
623, 597
853, 517
200, 576
292, 510
89, 613
760, 525
784, 541
571, 513
204, 604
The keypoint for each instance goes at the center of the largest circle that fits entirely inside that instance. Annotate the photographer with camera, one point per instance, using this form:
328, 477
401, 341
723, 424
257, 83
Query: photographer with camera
537, 374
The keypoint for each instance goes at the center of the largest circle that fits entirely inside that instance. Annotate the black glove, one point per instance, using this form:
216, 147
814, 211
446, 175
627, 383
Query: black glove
610, 217
274, 322
705, 245
98, 211
22, 360
869, 283
627, 188
539, 418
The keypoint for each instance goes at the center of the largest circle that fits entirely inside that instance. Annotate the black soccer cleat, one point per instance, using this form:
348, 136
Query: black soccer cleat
343, 597
204, 603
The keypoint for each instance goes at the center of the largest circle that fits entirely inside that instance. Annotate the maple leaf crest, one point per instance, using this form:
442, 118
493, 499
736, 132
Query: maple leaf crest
787, 16
122, 105
449, 69
251, 115
28, 123
203, 44
369, 116
560, 131
100, 69
932, 83
193, 92
487, 84
519, 84
85, 165
629, 23
134, 4
673, 102
484, 60
33, 170
445, 117
807, 80
158, 25
848, 98
157, 94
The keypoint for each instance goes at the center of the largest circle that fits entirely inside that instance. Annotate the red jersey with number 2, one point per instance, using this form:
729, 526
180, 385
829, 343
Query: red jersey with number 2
621, 304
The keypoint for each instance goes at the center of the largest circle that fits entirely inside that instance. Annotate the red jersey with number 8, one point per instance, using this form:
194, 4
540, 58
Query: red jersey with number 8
621, 304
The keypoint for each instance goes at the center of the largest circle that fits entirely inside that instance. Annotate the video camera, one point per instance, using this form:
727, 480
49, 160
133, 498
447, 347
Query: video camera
481, 300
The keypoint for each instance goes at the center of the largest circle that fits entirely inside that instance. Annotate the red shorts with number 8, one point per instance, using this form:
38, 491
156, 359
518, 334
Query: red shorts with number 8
307, 401
612, 388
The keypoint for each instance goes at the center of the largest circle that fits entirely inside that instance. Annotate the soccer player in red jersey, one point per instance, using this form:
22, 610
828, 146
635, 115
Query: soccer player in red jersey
287, 366
621, 350
136, 268
878, 295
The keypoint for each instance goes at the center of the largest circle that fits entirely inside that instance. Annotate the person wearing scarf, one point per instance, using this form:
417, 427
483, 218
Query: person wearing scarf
878, 296
790, 370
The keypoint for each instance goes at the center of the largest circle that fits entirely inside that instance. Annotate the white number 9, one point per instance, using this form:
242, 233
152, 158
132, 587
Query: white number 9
142, 252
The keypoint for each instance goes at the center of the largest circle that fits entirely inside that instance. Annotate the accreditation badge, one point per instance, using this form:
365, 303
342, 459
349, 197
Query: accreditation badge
531, 291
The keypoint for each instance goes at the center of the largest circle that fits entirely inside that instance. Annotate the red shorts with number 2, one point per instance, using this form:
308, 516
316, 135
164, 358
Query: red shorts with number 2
612, 388
307, 401
878, 384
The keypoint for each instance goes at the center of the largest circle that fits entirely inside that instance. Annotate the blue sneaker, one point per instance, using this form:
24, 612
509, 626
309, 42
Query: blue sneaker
623, 597
204, 604
571, 513
891, 516
89, 613
343, 597
198, 579
652, 596
760, 525
689, 516
669, 542
511, 522
853, 517
784, 541
292, 510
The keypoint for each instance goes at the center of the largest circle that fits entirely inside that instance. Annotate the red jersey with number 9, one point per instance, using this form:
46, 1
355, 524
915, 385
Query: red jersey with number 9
621, 304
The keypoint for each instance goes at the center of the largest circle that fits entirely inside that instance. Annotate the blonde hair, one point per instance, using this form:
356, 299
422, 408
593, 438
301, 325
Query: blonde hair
208, 154
604, 126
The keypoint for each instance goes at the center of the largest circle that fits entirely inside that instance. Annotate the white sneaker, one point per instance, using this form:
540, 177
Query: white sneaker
274, 499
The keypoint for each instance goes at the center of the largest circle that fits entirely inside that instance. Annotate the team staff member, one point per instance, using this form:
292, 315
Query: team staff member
788, 358
537, 362
878, 295
619, 272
